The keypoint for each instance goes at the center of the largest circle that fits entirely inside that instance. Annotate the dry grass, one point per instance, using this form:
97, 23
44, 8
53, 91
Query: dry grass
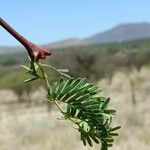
36, 129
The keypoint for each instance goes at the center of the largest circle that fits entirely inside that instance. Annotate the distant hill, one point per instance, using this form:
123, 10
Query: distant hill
121, 33
118, 34
55, 45
67, 43
10, 50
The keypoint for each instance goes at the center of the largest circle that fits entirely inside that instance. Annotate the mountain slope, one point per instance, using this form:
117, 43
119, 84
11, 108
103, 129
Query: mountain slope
10, 50
55, 45
121, 33
67, 43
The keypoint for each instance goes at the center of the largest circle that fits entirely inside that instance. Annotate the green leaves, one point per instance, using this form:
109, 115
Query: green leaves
114, 129
31, 79
32, 71
63, 72
87, 109
84, 105
105, 103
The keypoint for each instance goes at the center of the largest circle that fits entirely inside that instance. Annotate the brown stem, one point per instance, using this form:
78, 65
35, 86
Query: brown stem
14, 33
35, 52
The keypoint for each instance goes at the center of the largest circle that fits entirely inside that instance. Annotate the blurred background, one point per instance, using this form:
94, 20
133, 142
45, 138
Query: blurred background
107, 41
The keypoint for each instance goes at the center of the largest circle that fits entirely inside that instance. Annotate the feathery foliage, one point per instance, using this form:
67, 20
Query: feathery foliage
89, 111
83, 105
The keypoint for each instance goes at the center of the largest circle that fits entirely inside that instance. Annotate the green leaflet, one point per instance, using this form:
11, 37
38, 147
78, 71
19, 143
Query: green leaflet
114, 129
94, 106
90, 102
67, 86
82, 97
65, 75
95, 139
75, 82
32, 79
109, 140
63, 70
110, 111
59, 88
94, 89
71, 98
113, 134
105, 103
27, 68
89, 141
83, 139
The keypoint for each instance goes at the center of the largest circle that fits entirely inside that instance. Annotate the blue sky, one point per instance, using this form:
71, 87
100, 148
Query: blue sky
44, 21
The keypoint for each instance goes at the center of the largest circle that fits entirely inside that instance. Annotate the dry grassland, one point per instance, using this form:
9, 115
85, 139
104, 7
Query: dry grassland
34, 128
